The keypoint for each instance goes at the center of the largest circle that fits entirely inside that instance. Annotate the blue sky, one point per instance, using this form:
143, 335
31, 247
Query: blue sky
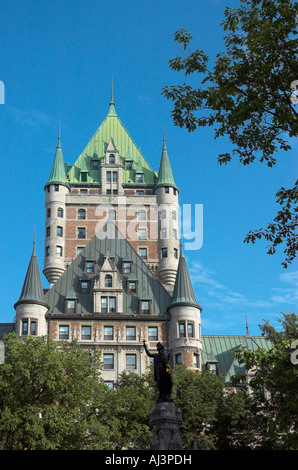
56, 62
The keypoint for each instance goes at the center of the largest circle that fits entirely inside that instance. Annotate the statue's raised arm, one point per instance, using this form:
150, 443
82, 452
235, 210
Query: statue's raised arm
146, 349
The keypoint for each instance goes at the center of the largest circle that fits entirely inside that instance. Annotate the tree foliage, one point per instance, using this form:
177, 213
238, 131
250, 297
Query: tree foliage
248, 95
276, 372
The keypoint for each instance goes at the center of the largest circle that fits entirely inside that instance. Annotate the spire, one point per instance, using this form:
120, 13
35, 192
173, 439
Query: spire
183, 290
32, 288
58, 174
165, 175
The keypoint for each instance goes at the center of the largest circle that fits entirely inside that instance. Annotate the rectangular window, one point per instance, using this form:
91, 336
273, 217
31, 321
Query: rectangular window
84, 287
83, 191
126, 267
152, 333
167, 190
112, 304
108, 361
94, 164
63, 332
48, 213
128, 165
140, 192
190, 330
71, 306
112, 214
145, 307
178, 359
174, 215
59, 212
83, 177
115, 177
48, 231
182, 332
196, 361
81, 232
142, 234
108, 191
143, 253
164, 252
47, 251
142, 215
81, 214
89, 267
164, 233
59, 250
33, 325
175, 234
80, 249
59, 231
132, 286
110, 384
86, 332
56, 187
24, 327
104, 305
130, 333
131, 361
176, 253
139, 178
108, 332
109, 174
115, 191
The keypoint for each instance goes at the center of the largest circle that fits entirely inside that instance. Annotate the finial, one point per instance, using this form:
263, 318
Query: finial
34, 239
112, 92
59, 145
164, 138
246, 324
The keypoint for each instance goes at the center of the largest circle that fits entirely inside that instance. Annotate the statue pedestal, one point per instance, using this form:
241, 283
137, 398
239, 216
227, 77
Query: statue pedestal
165, 420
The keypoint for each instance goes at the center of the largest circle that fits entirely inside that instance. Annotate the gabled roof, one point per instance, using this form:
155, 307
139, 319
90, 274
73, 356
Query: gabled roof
223, 347
120, 249
183, 291
58, 174
113, 128
32, 291
165, 174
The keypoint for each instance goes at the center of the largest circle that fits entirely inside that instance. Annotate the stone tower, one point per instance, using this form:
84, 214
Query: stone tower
56, 190
31, 307
185, 320
168, 211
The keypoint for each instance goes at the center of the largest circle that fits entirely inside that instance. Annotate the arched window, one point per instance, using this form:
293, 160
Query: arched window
108, 280
59, 212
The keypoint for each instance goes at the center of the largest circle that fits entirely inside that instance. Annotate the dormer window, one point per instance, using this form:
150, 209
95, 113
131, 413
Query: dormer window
212, 366
71, 306
83, 177
132, 287
126, 267
139, 178
94, 164
112, 158
85, 287
144, 307
128, 165
89, 267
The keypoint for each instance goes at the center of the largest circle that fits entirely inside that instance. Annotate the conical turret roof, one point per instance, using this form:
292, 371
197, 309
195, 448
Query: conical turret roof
183, 291
58, 175
32, 288
165, 174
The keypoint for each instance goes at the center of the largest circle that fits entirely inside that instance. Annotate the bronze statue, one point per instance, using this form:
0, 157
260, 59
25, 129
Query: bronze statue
162, 371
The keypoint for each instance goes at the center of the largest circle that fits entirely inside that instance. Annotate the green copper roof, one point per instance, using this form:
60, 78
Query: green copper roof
68, 285
222, 348
6, 328
58, 174
95, 149
32, 288
165, 175
183, 290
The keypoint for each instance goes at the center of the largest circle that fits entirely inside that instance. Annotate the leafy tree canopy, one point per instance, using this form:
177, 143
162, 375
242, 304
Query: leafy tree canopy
249, 95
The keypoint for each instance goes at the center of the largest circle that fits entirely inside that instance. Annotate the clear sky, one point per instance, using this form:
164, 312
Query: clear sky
56, 62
